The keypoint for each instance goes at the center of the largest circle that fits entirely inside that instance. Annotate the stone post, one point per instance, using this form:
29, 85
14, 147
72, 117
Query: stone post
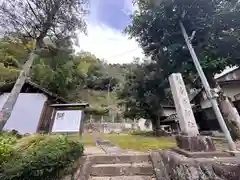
190, 140
184, 111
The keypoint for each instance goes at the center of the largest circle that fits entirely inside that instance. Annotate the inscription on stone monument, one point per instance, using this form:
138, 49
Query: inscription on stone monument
183, 107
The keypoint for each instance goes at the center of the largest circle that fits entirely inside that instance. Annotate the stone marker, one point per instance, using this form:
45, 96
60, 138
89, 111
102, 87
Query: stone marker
190, 140
183, 107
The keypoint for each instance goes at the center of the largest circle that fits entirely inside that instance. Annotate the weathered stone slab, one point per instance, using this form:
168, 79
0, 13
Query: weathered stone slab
234, 153
227, 171
108, 147
159, 167
187, 121
179, 167
124, 178
73, 171
125, 169
195, 143
85, 170
202, 154
121, 158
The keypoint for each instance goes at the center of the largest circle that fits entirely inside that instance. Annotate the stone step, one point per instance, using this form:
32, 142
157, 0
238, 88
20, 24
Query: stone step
126, 169
124, 178
121, 158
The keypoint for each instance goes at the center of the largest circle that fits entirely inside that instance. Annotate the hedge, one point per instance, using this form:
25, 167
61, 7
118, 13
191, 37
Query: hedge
7, 141
40, 157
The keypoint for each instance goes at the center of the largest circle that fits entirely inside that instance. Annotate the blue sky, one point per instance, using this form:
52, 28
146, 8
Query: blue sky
105, 39
113, 13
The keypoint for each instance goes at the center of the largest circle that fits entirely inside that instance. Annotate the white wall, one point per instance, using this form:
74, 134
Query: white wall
26, 112
168, 111
231, 91
142, 127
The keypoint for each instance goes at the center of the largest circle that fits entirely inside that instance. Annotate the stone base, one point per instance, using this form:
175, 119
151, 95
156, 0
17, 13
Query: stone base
195, 143
172, 166
161, 132
211, 154
233, 153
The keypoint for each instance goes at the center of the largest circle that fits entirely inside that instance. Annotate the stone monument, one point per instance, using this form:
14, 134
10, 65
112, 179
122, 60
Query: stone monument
190, 139
184, 111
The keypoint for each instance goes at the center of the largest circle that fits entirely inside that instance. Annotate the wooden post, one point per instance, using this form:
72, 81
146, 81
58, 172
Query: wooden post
90, 119
52, 120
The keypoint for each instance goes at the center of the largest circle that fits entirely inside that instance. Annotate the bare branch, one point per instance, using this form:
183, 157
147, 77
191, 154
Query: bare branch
41, 18
33, 11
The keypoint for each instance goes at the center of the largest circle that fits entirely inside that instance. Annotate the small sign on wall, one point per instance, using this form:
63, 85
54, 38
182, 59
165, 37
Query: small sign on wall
67, 121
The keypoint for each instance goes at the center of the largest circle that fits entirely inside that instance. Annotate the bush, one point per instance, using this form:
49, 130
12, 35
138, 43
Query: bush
7, 141
41, 157
142, 133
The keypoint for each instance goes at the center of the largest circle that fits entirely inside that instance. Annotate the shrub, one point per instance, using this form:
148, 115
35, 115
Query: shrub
142, 133
6, 146
41, 157
6, 151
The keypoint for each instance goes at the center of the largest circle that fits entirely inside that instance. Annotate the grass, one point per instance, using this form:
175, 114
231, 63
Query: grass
141, 143
86, 140
133, 142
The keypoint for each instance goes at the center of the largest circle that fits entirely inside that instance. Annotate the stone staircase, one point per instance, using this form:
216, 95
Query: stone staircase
121, 167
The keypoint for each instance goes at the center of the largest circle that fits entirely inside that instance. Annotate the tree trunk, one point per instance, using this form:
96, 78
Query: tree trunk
228, 110
12, 98
230, 115
156, 126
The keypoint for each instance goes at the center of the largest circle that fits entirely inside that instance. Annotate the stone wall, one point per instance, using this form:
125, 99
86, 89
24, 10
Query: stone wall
169, 165
73, 172
172, 166
109, 127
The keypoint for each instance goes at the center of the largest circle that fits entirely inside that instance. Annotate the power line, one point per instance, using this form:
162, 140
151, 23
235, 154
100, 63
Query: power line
121, 54
129, 51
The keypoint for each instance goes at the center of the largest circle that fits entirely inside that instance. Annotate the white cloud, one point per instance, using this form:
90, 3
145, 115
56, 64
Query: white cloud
109, 44
129, 7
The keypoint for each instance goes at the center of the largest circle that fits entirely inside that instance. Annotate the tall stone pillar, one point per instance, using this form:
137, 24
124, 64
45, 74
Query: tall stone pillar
184, 111
190, 140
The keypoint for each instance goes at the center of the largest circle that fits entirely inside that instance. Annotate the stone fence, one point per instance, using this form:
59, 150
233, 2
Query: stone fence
109, 127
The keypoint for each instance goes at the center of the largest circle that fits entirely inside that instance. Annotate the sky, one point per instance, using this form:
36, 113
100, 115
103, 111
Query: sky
105, 37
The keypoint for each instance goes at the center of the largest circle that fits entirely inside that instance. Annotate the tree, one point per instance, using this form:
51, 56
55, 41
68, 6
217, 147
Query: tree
39, 20
214, 26
145, 92
9, 65
60, 74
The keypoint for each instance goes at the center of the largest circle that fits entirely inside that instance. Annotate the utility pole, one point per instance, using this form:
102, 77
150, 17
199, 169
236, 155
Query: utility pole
207, 88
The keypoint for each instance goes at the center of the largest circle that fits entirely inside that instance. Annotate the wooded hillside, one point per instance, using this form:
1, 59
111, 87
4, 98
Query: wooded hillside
76, 77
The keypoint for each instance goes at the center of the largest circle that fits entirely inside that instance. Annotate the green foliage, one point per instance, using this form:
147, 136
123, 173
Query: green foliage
11, 56
12, 53
76, 77
215, 34
141, 143
7, 74
144, 92
58, 74
41, 157
142, 133
156, 27
6, 146
66, 73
